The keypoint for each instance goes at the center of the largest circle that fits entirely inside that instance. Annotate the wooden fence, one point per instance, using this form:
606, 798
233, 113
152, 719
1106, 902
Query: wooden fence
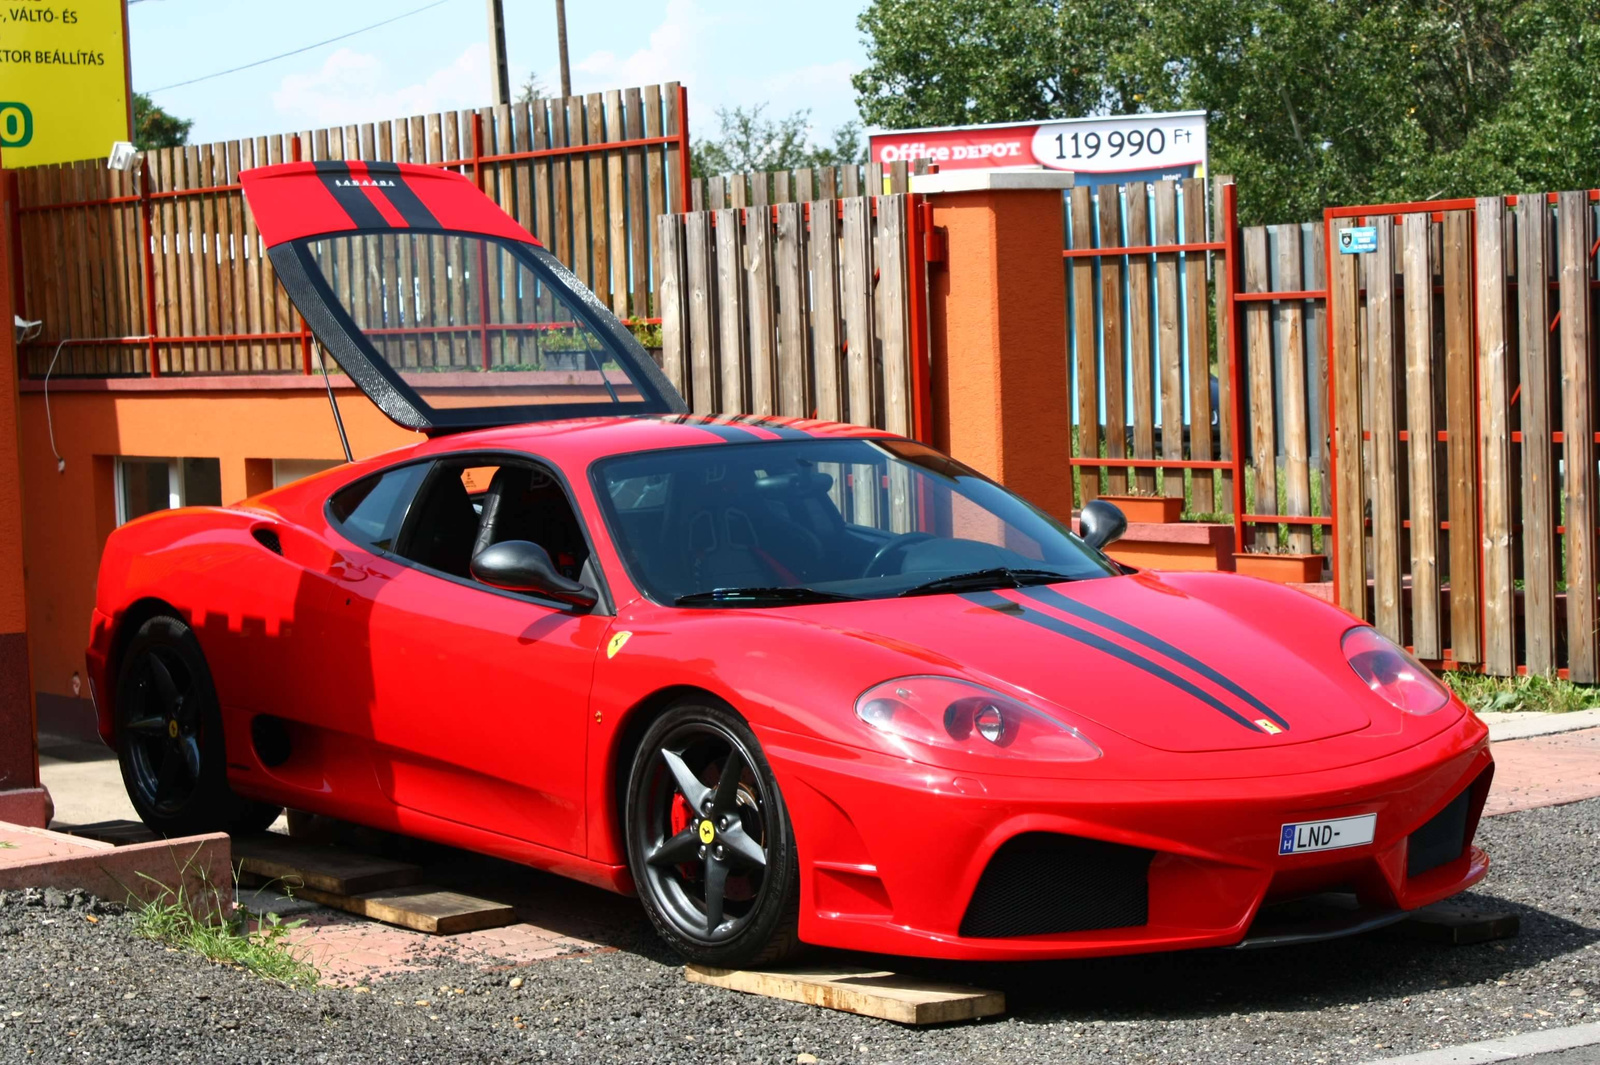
1464, 428
762, 188
162, 272
795, 309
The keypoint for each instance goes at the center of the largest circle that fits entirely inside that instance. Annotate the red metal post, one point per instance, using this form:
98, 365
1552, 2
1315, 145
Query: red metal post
149, 270
684, 164
918, 217
1231, 268
1333, 406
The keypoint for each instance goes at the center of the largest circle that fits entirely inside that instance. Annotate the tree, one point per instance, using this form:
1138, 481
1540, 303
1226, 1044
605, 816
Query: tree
748, 141
1311, 103
532, 89
153, 127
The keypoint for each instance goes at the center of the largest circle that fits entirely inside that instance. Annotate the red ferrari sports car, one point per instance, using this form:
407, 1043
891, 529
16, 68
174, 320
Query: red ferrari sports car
789, 681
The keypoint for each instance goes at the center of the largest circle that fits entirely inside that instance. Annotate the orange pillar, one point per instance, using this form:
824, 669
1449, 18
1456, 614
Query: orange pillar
22, 801
998, 326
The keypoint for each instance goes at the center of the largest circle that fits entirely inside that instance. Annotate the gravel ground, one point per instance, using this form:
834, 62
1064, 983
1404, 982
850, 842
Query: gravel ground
81, 991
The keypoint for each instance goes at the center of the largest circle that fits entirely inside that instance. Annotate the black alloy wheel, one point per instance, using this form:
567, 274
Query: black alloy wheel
169, 737
709, 839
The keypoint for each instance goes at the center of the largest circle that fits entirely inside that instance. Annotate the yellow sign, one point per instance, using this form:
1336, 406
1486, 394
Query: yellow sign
63, 80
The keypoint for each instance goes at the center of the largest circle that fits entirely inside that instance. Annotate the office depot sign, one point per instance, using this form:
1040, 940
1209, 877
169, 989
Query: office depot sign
1127, 147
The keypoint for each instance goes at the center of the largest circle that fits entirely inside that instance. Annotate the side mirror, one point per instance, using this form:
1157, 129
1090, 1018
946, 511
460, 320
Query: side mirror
522, 566
1101, 524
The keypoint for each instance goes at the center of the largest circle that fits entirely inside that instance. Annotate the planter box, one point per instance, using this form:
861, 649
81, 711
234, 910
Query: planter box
1285, 569
1155, 510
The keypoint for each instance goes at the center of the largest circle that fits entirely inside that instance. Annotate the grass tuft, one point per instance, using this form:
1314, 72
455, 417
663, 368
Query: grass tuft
252, 941
1534, 692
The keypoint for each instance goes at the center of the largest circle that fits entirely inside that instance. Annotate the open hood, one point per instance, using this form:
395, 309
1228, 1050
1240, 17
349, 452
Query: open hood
442, 309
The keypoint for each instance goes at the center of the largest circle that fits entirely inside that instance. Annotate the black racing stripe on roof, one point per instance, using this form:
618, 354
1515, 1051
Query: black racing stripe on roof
784, 431
1001, 605
404, 197
1053, 597
364, 214
728, 434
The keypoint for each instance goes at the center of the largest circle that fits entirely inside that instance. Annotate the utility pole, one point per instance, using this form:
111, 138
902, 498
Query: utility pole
499, 77
561, 43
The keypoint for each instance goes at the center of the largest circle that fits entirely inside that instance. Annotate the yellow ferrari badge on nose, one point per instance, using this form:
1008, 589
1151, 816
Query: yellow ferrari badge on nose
172, 728
708, 831
616, 643
1268, 727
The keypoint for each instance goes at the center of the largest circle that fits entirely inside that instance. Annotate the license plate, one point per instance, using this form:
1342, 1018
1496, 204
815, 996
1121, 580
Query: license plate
1304, 836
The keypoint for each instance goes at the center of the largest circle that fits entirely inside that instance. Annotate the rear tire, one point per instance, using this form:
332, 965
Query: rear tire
169, 737
729, 894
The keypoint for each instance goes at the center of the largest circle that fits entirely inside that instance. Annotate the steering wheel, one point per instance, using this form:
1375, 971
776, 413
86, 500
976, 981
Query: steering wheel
877, 567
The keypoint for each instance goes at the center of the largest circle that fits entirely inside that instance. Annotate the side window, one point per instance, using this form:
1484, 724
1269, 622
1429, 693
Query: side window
371, 510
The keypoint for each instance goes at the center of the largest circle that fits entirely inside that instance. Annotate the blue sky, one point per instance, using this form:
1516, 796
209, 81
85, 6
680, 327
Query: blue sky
726, 53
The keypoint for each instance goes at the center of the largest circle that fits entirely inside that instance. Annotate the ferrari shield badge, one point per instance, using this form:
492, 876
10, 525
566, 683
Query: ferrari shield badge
616, 643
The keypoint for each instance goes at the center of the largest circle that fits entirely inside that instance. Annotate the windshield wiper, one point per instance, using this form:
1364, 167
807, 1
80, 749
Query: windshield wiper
994, 577
786, 594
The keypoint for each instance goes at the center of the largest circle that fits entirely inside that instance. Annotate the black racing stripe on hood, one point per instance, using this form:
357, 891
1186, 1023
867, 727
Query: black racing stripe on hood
1053, 597
364, 214
404, 197
1001, 605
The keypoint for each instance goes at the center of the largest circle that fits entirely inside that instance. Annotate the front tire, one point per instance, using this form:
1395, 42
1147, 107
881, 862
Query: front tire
169, 737
709, 840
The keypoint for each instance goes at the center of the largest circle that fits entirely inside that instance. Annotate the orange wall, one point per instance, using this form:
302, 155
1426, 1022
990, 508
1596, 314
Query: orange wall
70, 513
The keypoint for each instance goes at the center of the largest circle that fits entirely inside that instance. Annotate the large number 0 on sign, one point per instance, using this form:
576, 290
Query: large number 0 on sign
64, 80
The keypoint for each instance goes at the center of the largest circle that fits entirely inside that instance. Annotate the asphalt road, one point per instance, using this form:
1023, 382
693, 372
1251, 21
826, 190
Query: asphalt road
81, 991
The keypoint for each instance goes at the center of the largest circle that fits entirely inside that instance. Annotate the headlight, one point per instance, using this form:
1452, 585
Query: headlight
1390, 672
957, 715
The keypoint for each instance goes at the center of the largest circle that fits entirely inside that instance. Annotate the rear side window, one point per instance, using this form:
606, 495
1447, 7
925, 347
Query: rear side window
371, 510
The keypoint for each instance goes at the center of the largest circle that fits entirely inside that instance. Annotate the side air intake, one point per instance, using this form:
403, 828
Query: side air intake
1040, 883
267, 539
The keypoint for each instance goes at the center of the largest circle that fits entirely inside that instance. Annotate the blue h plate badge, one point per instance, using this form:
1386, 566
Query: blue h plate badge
1301, 837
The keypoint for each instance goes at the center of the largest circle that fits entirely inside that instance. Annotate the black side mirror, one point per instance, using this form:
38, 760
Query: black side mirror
522, 566
1101, 524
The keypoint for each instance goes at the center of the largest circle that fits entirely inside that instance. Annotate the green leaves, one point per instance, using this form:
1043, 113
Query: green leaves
750, 142
1312, 103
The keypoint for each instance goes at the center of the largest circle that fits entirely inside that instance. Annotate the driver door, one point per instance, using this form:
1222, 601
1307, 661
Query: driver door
482, 696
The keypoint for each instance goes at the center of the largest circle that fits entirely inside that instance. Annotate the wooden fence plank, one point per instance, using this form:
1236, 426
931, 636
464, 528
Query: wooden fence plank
1417, 269
1538, 453
1494, 435
598, 164
671, 293
732, 354
636, 271
1575, 236
655, 174
1081, 271
1195, 322
677, 198
1292, 390
856, 295
702, 315
794, 323
826, 332
893, 299
1221, 290
1386, 540
1462, 448
1263, 452
1111, 334
1345, 360
612, 206
760, 316
1169, 338
1317, 383
1137, 211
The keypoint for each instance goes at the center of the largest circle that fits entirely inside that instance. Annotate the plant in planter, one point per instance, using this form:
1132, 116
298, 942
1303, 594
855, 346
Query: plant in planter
1257, 561
1148, 508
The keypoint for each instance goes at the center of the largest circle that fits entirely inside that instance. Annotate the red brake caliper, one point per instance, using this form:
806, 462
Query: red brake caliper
679, 818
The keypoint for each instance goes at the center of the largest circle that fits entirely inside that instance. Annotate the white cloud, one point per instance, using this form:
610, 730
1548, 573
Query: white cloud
676, 51
355, 86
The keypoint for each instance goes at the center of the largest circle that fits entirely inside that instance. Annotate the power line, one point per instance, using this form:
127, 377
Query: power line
297, 51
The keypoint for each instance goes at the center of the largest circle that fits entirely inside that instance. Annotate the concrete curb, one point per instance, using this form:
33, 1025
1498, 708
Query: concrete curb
1510, 1048
198, 867
1521, 725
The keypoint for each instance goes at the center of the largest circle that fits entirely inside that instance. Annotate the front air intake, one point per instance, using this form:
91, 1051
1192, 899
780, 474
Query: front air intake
1041, 883
1442, 839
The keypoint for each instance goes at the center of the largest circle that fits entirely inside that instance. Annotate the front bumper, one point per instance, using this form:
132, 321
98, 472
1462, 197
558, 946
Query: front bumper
892, 851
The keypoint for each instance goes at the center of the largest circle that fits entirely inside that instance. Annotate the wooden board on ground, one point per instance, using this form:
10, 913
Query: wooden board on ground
871, 993
117, 833
325, 869
420, 907
1459, 925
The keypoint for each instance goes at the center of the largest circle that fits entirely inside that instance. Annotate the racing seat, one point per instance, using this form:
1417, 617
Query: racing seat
717, 545
523, 503
444, 527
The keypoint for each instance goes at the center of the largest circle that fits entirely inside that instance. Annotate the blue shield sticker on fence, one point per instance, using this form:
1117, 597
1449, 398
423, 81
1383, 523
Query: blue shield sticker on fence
1358, 240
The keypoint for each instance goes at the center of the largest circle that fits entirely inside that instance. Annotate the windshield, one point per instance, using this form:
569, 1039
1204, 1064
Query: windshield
841, 519
466, 321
